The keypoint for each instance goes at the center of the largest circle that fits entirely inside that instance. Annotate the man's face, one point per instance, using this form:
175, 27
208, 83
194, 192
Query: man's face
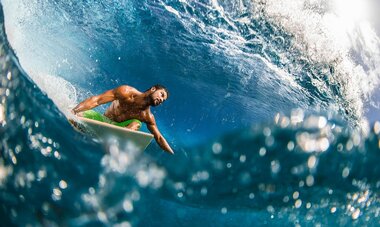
158, 97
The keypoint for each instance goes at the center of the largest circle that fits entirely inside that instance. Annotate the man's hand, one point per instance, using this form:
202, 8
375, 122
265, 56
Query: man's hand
170, 150
163, 144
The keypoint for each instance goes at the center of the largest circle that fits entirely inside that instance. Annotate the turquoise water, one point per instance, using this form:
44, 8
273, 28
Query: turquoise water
266, 115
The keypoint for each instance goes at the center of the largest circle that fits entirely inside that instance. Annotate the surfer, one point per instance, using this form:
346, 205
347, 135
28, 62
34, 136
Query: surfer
128, 109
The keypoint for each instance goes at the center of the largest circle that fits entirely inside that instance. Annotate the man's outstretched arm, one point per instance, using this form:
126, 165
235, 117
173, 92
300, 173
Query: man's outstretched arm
97, 100
159, 138
94, 101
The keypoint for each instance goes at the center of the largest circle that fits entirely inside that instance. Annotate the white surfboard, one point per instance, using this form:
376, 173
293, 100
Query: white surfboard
105, 131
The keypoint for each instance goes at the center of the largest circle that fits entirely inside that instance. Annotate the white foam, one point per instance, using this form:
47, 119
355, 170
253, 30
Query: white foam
227, 38
62, 92
333, 32
44, 50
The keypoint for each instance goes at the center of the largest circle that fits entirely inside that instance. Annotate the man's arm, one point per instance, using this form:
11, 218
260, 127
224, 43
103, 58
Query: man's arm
97, 100
159, 138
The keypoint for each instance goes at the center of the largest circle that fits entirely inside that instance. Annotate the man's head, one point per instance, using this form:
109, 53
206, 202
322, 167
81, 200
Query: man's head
158, 94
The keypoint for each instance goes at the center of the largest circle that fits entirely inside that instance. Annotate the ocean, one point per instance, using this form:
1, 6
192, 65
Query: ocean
271, 113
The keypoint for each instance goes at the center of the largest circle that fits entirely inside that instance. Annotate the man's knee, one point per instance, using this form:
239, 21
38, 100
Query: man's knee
134, 126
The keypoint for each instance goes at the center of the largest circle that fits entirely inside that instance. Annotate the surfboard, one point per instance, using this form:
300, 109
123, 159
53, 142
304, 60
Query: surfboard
104, 132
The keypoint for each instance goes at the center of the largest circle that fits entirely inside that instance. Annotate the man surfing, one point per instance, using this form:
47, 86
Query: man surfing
128, 109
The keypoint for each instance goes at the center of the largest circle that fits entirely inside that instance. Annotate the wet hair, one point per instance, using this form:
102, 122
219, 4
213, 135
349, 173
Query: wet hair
159, 86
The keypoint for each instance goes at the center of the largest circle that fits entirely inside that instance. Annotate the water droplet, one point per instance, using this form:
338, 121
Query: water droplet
269, 141
124, 224
262, 151
298, 203
91, 190
223, 210
297, 116
322, 122
356, 139
275, 166
41, 174
324, 144
217, 148
63, 184
22, 120
276, 118
310, 180
203, 191
135, 196
376, 127
142, 178
102, 216
349, 145
284, 122
267, 131
290, 145
14, 160
128, 206
56, 194
345, 172
356, 214
57, 155
311, 162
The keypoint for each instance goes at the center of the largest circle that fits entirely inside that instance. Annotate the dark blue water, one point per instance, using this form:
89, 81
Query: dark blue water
268, 127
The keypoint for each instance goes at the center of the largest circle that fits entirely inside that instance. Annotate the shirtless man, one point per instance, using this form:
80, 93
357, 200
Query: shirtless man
129, 103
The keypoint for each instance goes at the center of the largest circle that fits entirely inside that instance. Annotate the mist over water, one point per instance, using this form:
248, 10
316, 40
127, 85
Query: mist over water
267, 113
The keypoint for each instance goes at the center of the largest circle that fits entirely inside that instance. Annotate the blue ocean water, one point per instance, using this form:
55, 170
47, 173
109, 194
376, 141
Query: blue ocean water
266, 115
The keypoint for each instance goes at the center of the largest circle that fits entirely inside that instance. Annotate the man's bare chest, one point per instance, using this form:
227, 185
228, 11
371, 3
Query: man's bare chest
125, 111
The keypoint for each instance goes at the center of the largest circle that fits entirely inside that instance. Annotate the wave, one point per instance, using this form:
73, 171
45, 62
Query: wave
268, 146
240, 54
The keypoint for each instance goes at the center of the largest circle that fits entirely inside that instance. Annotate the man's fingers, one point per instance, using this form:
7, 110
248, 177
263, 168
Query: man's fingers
170, 151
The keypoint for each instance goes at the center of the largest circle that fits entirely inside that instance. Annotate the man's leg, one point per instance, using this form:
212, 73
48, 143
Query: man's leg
91, 114
134, 126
